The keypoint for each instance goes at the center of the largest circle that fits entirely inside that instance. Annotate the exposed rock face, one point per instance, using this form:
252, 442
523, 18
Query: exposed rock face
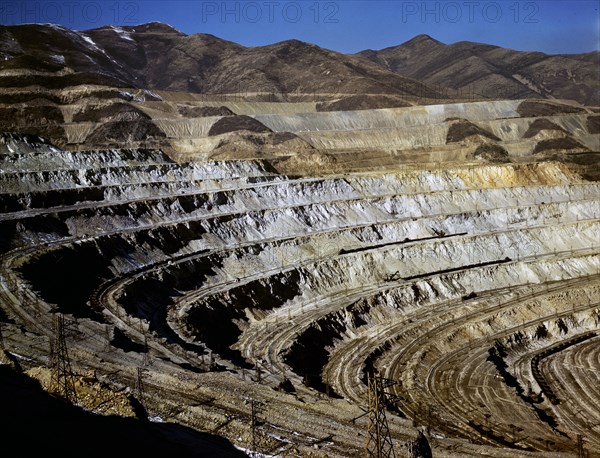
226, 276
492, 131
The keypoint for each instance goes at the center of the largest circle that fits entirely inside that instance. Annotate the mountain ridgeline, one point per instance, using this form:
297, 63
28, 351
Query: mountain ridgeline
156, 56
491, 71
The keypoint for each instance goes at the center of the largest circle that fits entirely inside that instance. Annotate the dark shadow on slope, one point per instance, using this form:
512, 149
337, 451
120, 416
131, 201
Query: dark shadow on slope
460, 129
188, 111
541, 124
558, 144
215, 321
534, 108
37, 424
236, 123
496, 355
593, 124
67, 277
122, 341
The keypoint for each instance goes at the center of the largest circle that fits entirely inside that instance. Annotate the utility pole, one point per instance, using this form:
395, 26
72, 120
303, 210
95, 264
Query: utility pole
258, 372
580, 449
139, 386
430, 416
379, 441
62, 381
146, 360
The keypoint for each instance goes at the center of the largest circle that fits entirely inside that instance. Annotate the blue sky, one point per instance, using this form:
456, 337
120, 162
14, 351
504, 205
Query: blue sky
551, 26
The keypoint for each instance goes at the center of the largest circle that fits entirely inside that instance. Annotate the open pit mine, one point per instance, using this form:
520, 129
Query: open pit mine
272, 278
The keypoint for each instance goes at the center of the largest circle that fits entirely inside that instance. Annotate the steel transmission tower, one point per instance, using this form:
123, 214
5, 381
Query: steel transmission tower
62, 381
379, 441
580, 450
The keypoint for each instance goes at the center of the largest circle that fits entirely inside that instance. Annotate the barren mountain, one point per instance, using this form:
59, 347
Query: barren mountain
156, 56
492, 71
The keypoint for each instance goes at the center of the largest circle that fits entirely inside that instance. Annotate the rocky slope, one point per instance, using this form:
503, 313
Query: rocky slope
484, 70
156, 56
200, 287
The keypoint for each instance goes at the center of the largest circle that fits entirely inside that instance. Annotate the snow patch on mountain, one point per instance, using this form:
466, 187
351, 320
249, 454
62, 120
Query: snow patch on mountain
122, 33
